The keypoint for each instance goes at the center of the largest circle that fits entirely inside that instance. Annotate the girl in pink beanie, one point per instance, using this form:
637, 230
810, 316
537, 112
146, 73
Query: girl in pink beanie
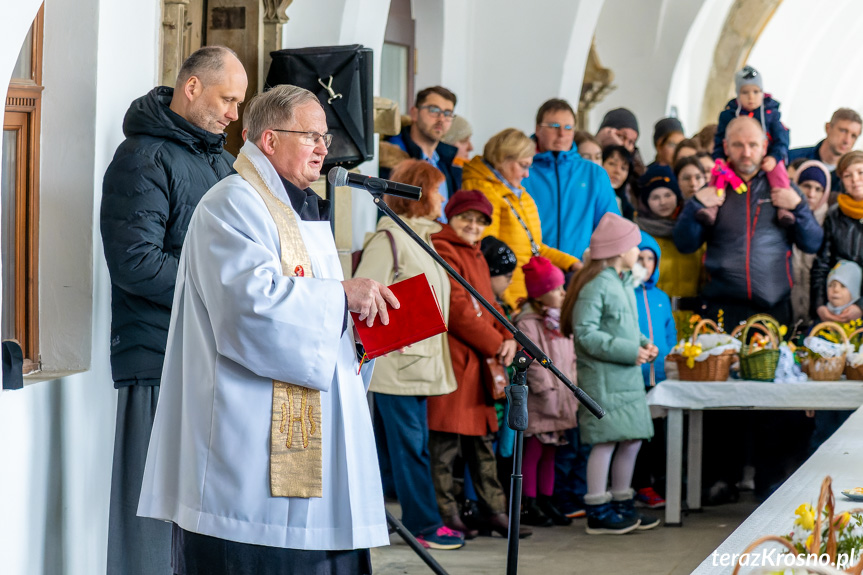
551, 407
599, 311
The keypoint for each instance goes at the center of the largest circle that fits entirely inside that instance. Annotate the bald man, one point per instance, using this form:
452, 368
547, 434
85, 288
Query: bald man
173, 154
748, 254
748, 262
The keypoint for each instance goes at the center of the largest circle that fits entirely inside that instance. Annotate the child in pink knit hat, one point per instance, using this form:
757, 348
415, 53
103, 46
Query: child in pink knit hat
600, 312
551, 407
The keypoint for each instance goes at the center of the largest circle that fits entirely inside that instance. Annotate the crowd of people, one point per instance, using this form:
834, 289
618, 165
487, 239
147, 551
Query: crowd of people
243, 442
601, 258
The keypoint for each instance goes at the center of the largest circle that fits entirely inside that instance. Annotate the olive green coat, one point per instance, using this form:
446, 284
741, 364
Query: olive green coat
607, 339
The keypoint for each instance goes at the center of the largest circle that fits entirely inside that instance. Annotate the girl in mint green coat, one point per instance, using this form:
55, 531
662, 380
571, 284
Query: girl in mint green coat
601, 314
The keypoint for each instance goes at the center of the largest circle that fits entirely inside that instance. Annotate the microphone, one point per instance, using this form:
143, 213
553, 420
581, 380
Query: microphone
339, 176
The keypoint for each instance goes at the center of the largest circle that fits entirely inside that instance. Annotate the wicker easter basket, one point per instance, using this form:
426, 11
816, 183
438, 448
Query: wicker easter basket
851, 372
826, 501
825, 368
714, 368
760, 365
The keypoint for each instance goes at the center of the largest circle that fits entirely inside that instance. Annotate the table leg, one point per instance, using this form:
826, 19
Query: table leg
693, 468
674, 467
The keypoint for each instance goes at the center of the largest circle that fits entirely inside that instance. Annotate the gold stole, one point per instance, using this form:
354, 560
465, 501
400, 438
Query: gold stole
296, 459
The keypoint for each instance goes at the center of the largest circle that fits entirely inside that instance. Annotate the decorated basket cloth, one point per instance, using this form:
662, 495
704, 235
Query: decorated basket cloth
854, 359
697, 364
818, 363
758, 362
826, 507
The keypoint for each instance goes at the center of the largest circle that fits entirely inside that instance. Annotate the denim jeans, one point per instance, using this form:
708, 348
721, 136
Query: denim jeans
570, 472
405, 430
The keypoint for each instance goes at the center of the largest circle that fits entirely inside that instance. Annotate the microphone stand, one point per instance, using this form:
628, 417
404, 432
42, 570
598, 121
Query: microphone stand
516, 392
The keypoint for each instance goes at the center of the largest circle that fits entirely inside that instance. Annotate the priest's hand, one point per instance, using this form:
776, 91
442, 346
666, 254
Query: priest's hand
369, 299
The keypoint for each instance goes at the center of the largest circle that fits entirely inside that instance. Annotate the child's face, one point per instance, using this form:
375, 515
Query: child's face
590, 152
500, 283
628, 259
618, 170
553, 299
750, 97
813, 192
837, 294
691, 179
647, 259
662, 202
852, 180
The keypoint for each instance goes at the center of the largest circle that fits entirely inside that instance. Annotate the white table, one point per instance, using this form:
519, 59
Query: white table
841, 457
673, 397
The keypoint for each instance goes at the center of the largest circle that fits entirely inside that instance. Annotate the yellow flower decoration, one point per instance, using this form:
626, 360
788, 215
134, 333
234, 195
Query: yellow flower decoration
842, 520
690, 352
806, 518
809, 542
783, 329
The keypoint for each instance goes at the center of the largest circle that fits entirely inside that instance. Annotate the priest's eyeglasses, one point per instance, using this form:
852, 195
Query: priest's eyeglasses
310, 138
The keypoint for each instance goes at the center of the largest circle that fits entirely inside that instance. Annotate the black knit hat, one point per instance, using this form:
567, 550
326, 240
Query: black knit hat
500, 258
619, 118
664, 127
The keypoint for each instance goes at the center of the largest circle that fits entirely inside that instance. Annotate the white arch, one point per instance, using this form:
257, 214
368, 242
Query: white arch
641, 42
810, 59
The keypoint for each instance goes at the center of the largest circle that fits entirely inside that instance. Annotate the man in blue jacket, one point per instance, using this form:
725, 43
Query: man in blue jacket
173, 153
842, 130
571, 193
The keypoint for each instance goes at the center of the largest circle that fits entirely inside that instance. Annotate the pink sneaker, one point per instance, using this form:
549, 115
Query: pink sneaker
443, 538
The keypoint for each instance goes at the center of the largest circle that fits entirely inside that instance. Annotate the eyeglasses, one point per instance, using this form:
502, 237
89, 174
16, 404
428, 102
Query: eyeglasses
310, 138
436, 112
556, 126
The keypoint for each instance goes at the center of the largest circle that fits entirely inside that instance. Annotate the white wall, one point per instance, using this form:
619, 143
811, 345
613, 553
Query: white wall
641, 42
689, 79
811, 62
29, 513
58, 435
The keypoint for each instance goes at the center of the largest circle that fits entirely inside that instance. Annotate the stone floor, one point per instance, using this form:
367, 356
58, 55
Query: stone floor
568, 550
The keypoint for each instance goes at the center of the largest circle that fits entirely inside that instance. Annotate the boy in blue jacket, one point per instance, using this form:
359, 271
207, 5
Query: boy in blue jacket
657, 324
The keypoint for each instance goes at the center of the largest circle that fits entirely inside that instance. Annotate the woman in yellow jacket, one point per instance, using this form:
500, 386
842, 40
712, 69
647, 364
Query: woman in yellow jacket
498, 173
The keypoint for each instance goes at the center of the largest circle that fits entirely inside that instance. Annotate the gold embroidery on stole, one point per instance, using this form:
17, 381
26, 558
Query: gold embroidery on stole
296, 458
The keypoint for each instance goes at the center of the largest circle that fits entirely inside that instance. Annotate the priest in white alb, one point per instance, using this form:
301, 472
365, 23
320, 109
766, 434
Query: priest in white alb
262, 453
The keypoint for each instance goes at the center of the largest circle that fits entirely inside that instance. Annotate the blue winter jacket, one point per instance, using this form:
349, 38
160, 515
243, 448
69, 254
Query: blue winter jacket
812, 153
771, 120
654, 315
571, 194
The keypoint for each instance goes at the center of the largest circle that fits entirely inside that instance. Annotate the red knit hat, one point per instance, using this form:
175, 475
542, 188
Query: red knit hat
613, 236
541, 276
464, 200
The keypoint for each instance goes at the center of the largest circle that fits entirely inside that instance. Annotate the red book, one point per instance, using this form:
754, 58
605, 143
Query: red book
418, 318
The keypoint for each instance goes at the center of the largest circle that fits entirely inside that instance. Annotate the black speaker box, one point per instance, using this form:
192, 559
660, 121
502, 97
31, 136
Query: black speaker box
341, 77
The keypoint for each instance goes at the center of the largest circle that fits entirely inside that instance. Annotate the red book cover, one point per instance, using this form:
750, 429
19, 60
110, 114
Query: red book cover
418, 318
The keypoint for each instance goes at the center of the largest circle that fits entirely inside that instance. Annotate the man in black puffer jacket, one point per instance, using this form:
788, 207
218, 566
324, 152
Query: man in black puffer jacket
748, 261
173, 154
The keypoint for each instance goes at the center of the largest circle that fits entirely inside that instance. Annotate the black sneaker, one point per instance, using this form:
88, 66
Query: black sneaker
626, 509
547, 507
603, 520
